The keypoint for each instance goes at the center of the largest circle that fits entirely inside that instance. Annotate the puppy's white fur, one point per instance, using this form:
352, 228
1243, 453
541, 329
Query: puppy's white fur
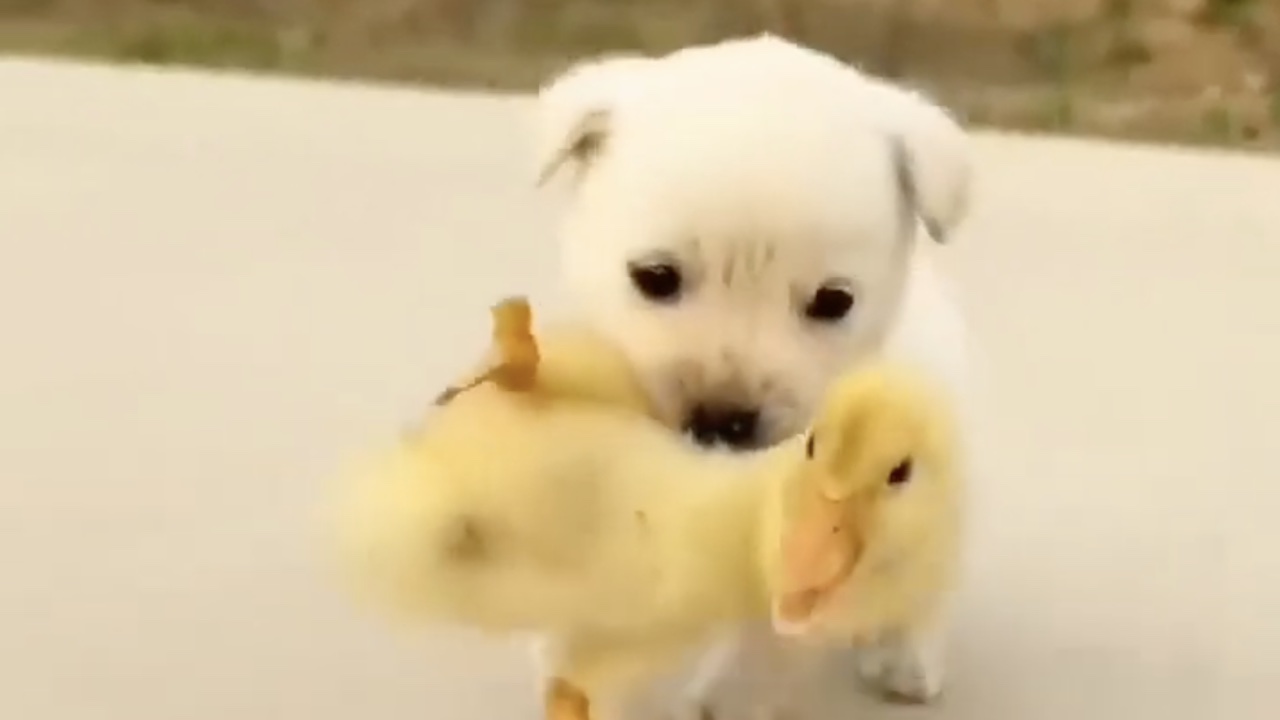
763, 171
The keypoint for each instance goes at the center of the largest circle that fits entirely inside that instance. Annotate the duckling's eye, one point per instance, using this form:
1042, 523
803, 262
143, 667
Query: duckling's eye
900, 474
808, 447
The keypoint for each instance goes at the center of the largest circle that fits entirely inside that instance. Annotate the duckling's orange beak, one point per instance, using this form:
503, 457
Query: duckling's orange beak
819, 552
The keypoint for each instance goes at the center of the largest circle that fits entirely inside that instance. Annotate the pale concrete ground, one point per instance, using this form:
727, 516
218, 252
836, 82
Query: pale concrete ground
212, 292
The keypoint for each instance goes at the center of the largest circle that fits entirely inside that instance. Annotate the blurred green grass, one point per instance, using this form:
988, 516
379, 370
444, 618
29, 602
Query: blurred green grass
1197, 71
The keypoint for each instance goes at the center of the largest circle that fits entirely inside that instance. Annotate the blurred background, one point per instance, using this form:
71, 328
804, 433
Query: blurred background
1190, 71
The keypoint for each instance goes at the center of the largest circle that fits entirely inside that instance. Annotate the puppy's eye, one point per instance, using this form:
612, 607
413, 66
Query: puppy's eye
829, 304
808, 447
900, 474
659, 282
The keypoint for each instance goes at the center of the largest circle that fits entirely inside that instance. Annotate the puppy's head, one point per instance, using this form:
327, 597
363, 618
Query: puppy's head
741, 219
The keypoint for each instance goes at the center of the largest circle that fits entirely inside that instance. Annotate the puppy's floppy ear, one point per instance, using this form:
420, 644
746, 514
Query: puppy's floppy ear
910, 206
580, 145
576, 110
936, 154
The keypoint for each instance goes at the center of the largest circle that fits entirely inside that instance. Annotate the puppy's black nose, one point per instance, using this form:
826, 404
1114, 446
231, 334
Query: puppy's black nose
734, 426
738, 427
702, 426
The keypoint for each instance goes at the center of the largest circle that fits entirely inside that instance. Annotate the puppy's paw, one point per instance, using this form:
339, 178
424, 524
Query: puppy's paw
901, 670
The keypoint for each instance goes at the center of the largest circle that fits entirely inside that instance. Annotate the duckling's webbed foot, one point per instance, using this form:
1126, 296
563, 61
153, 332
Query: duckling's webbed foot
565, 701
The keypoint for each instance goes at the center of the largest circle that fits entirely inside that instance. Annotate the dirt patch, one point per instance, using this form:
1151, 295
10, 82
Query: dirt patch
1199, 71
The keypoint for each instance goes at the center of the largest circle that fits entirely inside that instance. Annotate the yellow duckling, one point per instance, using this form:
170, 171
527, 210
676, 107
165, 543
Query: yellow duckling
541, 496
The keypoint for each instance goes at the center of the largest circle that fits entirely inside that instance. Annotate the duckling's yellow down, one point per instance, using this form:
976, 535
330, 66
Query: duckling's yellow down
565, 508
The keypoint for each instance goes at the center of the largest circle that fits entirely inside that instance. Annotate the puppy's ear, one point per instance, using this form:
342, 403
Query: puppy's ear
910, 206
579, 146
935, 157
576, 111
516, 357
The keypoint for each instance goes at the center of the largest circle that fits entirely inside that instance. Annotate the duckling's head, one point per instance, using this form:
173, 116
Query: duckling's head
877, 485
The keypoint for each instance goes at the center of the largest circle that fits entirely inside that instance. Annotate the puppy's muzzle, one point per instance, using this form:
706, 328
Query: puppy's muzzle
735, 427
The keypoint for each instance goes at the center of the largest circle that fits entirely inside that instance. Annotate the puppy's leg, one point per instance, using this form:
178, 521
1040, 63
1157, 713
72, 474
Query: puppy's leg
780, 670
751, 675
907, 665
695, 698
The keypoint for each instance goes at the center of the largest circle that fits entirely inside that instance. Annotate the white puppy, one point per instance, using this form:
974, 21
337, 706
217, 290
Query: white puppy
743, 218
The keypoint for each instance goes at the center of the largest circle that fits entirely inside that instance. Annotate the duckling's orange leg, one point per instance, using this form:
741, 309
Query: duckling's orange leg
566, 701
